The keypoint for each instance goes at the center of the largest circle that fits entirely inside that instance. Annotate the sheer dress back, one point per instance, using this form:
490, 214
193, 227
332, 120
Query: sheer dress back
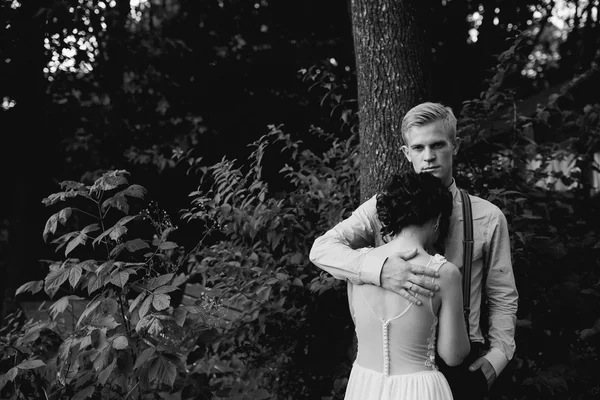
394, 336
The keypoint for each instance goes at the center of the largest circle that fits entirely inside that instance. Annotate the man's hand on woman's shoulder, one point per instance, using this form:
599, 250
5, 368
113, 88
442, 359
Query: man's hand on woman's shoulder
407, 279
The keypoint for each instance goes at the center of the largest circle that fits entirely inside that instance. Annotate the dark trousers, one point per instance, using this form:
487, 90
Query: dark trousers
466, 385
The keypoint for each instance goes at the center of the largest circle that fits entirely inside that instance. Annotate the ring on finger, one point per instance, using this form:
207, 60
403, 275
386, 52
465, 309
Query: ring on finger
411, 287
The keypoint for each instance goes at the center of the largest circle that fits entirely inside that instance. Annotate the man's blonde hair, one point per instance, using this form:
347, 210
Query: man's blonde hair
427, 113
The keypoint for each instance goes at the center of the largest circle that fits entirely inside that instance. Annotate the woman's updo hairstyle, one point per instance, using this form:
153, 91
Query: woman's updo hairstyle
413, 199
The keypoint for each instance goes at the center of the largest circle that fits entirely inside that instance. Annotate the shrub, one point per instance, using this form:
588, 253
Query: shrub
128, 341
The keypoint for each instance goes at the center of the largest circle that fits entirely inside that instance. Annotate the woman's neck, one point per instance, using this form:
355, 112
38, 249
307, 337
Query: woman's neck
412, 237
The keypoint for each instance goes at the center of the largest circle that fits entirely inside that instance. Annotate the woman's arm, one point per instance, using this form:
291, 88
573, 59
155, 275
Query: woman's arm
453, 341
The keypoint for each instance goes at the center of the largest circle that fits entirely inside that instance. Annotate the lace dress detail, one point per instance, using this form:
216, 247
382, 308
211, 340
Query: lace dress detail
430, 361
438, 258
431, 341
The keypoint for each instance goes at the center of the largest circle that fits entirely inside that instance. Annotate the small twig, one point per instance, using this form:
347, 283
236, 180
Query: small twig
84, 212
132, 389
123, 313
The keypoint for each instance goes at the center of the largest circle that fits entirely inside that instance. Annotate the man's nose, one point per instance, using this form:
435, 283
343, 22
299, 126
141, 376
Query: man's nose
429, 155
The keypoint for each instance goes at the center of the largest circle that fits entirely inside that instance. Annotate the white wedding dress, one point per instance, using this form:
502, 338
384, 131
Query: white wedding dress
396, 354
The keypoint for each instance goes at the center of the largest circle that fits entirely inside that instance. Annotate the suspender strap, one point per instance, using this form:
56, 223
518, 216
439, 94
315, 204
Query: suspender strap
467, 254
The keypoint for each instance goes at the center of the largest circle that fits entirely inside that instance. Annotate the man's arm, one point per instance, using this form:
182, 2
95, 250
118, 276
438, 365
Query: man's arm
342, 250
501, 293
347, 252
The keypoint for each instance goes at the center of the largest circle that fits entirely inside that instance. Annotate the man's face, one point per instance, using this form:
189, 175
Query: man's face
430, 149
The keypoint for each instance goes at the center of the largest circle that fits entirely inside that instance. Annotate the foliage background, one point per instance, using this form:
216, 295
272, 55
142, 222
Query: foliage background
239, 119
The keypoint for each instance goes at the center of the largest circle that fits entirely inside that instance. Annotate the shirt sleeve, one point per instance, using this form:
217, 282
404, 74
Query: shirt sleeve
501, 293
343, 250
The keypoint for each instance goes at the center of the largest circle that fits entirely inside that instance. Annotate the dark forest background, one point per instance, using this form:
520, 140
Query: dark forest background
173, 91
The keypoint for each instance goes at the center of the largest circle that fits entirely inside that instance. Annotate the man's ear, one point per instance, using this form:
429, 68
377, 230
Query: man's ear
406, 153
455, 146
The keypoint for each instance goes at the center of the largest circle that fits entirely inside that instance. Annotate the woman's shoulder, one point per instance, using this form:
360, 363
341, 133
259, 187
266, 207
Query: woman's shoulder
449, 275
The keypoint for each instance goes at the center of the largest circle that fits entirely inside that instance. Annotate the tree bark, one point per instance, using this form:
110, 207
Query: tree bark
393, 75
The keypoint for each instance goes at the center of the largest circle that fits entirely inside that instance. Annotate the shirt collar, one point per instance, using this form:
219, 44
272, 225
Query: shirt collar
453, 189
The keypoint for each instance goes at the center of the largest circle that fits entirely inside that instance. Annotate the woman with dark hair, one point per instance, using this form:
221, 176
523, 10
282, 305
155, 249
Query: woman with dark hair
397, 343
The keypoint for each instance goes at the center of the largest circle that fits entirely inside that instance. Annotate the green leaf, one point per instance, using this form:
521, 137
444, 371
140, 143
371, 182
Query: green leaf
135, 245
161, 301
73, 185
33, 287
137, 300
167, 372
135, 191
155, 327
59, 307
107, 321
105, 374
117, 232
88, 310
120, 343
144, 323
8, 377
179, 315
102, 236
109, 181
168, 245
50, 227
109, 306
81, 238
64, 239
89, 265
117, 201
91, 228
64, 215
144, 357
145, 307
159, 281
54, 279
95, 282
119, 223
31, 364
105, 268
84, 393
119, 278
166, 289
126, 219
260, 394
98, 339
75, 275
85, 342
100, 358
179, 279
62, 196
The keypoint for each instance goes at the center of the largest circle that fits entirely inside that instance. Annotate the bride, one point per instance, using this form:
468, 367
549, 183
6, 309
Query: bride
396, 342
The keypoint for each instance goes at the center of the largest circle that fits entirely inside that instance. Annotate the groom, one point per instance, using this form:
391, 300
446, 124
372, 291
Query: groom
429, 134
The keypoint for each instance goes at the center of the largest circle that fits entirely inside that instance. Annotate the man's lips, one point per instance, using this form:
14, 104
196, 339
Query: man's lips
426, 169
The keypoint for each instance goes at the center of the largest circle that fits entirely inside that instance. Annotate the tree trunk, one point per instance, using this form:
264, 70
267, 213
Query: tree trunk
393, 75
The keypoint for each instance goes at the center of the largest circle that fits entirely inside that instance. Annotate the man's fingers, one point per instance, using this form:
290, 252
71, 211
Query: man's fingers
424, 271
476, 364
424, 283
406, 294
425, 291
407, 255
